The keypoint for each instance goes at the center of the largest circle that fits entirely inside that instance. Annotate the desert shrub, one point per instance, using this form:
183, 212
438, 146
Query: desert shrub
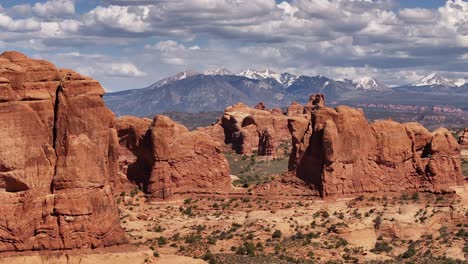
411, 251
277, 234
248, 248
162, 241
377, 222
381, 246
192, 238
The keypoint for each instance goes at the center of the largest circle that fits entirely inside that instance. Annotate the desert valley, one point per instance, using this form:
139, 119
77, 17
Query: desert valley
305, 184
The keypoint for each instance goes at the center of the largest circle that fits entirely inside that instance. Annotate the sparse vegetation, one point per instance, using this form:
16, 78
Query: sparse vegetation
223, 230
255, 169
465, 168
381, 246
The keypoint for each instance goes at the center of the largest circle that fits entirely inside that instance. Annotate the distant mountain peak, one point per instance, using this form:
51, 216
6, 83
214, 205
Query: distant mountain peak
179, 76
285, 79
368, 83
432, 79
460, 82
220, 71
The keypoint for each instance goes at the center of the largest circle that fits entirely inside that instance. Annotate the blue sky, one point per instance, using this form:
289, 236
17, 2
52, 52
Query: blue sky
132, 43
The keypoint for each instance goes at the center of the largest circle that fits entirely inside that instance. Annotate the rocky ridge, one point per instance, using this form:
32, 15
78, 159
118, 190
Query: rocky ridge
337, 152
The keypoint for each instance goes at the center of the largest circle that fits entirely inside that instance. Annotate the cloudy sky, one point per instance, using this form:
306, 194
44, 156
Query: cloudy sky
132, 43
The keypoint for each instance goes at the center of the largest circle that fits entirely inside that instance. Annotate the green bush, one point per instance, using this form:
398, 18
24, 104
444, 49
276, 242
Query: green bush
277, 234
381, 246
248, 248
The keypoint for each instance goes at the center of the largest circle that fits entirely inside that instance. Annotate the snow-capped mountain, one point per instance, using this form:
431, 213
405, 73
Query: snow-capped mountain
174, 78
190, 91
221, 71
285, 79
432, 79
369, 83
460, 82
260, 75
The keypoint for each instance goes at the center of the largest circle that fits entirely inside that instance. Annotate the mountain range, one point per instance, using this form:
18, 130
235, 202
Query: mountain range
214, 90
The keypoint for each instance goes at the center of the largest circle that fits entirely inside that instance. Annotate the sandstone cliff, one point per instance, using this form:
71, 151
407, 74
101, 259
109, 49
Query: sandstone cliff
338, 152
59, 150
165, 158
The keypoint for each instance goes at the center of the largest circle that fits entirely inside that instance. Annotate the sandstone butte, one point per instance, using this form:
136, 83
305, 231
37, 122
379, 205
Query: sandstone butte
252, 130
164, 158
337, 152
59, 150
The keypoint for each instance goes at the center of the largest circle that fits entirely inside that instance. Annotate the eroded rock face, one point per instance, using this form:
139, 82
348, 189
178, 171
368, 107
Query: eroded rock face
135, 155
185, 162
59, 150
250, 130
166, 159
338, 152
463, 140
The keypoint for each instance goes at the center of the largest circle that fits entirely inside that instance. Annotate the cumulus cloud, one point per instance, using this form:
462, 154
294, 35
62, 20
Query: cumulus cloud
418, 15
123, 70
335, 37
54, 8
11, 24
125, 18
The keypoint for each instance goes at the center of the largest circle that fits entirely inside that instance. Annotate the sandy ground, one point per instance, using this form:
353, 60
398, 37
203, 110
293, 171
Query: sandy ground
204, 226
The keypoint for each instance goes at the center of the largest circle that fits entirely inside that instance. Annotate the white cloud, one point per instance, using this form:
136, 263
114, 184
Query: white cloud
418, 15
54, 8
287, 8
10, 24
299, 35
119, 70
21, 10
131, 19
124, 70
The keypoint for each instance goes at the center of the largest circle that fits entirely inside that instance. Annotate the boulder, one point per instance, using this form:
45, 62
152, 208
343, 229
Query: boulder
338, 152
58, 154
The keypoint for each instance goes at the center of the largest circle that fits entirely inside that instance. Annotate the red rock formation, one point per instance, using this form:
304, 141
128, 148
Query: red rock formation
260, 106
295, 109
339, 153
185, 162
316, 101
135, 155
252, 130
165, 158
59, 149
463, 140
